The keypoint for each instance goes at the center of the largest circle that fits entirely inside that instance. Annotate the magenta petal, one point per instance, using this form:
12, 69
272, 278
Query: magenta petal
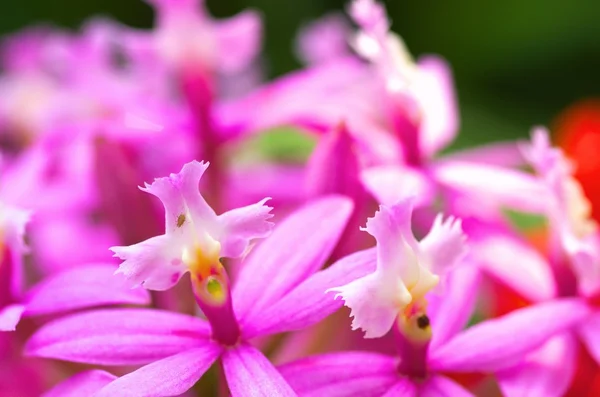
589, 332
10, 317
503, 154
450, 311
118, 336
500, 343
298, 246
342, 374
546, 372
82, 384
249, 373
404, 388
81, 287
440, 386
308, 303
390, 183
239, 40
170, 376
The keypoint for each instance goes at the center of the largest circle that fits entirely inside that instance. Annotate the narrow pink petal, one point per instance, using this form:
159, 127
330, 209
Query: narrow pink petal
12, 224
435, 90
531, 275
170, 376
10, 316
298, 246
82, 384
500, 343
440, 386
238, 41
502, 154
82, 287
547, 372
239, 226
154, 264
309, 303
450, 310
249, 373
589, 332
342, 374
389, 184
118, 336
323, 40
495, 186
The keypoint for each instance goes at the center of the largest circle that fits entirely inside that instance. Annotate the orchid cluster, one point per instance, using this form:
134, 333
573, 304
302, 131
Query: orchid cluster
373, 266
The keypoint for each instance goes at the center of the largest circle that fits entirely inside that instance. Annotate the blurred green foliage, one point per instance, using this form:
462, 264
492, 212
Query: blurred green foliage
516, 63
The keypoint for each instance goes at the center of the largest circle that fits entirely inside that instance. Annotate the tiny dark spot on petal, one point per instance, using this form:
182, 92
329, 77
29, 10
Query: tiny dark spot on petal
175, 277
180, 220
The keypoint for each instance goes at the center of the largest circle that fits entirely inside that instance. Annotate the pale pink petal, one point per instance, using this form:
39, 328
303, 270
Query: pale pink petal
444, 246
298, 247
501, 154
180, 194
493, 186
308, 303
502, 342
10, 316
238, 41
170, 376
376, 299
547, 372
589, 332
82, 384
12, 236
154, 264
530, 274
450, 311
249, 373
323, 40
342, 374
390, 183
81, 287
118, 336
435, 92
440, 386
241, 225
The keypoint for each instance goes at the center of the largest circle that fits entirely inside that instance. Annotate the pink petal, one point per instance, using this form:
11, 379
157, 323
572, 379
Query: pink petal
502, 154
10, 316
390, 183
82, 384
239, 226
494, 186
342, 374
81, 287
440, 386
154, 264
547, 372
12, 224
531, 275
118, 336
444, 246
298, 246
238, 41
180, 195
323, 40
404, 388
435, 91
502, 342
249, 373
308, 303
170, 376
589, 332
450, 311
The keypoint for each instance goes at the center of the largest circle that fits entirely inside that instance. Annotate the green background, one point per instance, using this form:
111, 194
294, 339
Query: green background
516, 63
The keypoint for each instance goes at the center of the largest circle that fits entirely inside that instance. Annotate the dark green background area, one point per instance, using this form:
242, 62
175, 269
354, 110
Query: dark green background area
516, 62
